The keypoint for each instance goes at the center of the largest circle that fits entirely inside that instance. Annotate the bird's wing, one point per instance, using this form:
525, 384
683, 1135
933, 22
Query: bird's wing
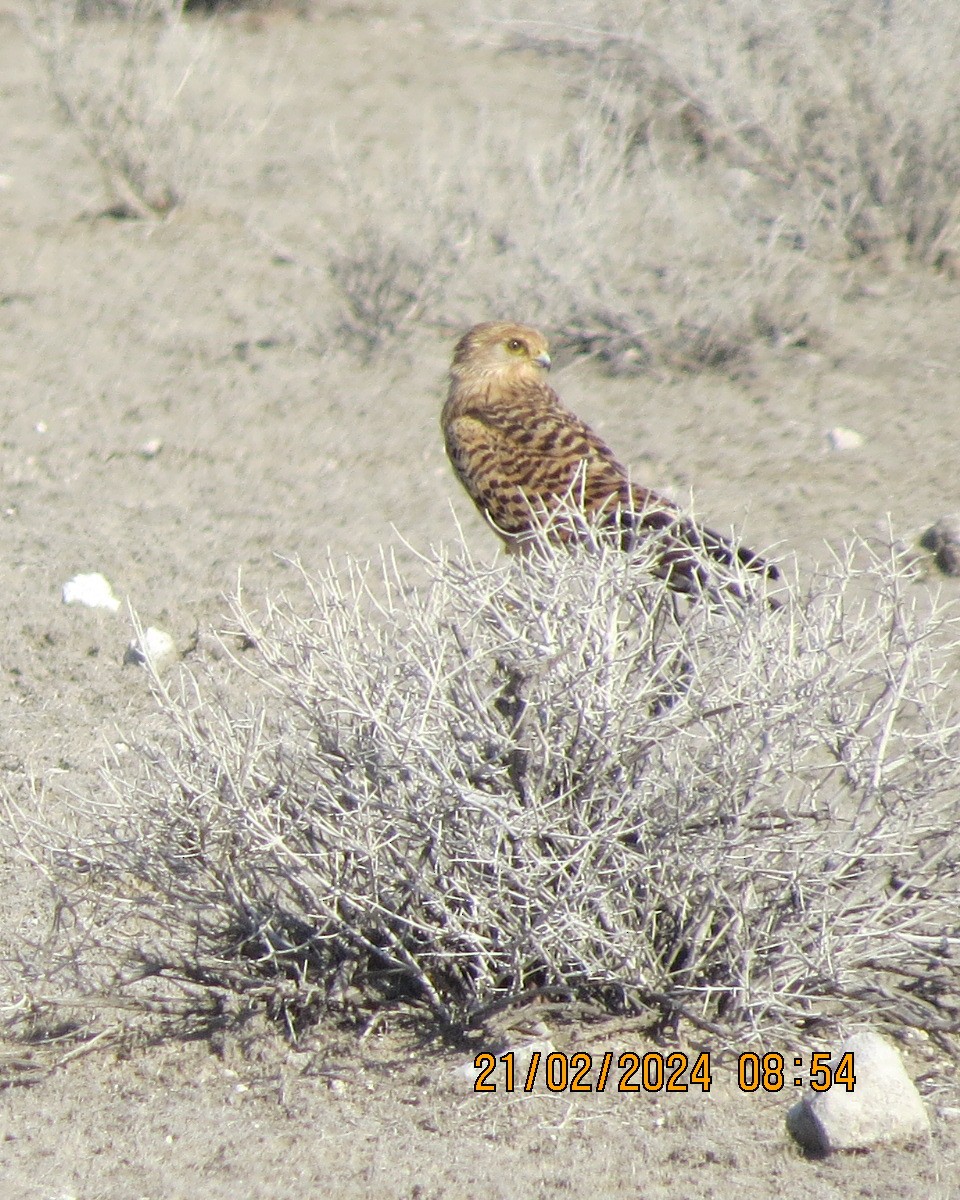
525, 453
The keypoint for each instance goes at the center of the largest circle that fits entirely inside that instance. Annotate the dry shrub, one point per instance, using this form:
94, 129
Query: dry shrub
845, 117
541, 775
124, 84
387, 284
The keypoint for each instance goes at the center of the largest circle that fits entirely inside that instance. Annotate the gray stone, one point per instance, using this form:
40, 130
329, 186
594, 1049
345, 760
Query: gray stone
943, 539
884, 1105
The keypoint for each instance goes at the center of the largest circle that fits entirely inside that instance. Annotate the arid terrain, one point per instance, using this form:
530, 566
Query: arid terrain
183, 410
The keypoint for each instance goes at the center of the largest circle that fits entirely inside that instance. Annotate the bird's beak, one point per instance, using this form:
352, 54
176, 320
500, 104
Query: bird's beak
543, 360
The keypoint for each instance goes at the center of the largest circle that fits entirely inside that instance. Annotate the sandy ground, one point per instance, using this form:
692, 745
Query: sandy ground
196, 334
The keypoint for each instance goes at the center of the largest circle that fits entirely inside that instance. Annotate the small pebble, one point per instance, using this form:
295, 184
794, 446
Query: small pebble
523, 1056
839, 438
153, 646
151, 448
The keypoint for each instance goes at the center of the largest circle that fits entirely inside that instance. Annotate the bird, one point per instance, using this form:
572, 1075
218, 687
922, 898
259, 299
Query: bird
528, 463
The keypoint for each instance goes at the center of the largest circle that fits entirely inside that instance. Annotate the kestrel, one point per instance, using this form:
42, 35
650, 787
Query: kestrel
525, 460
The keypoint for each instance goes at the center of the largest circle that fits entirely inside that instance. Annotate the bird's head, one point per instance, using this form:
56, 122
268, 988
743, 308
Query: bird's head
500, 348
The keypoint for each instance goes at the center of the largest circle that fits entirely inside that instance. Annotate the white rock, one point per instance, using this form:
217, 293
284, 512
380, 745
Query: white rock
153, 646
92, 589
151, 448
884, 1105
839, 438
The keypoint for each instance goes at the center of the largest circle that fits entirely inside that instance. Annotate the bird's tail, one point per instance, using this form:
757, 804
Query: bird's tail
687, 555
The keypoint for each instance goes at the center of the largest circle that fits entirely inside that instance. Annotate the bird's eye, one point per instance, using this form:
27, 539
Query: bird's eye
515, 346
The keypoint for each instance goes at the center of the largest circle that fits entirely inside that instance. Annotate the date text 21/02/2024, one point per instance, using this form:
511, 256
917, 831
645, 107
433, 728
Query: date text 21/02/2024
655, 1071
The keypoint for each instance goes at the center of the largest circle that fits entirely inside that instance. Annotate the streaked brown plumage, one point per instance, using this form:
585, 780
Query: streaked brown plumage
521, 454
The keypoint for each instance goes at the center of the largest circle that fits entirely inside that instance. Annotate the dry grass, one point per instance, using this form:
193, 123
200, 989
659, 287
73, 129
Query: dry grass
539, 776
588, 234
